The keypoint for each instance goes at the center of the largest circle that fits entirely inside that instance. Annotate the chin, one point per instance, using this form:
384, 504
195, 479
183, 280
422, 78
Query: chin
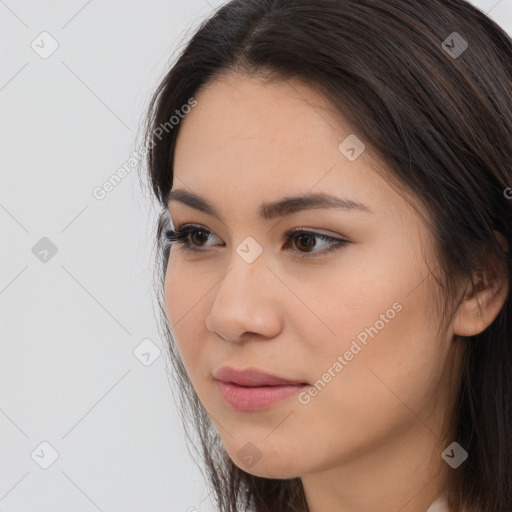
258, 462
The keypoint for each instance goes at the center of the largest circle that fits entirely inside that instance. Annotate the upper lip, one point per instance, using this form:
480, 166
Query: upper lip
251, 377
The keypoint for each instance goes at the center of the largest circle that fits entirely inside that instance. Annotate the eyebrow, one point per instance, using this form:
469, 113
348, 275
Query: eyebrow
269, 211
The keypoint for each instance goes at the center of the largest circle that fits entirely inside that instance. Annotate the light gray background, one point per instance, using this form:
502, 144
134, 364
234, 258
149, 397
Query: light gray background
70, 325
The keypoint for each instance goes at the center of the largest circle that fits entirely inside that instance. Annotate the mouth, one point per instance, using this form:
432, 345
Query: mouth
252, 378
253, 390
255, 398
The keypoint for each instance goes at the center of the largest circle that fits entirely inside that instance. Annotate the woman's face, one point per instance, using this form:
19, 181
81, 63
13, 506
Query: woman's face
358, 325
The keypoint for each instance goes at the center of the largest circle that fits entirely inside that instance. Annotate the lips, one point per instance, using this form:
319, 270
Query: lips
251, 377
253, 399
252, 390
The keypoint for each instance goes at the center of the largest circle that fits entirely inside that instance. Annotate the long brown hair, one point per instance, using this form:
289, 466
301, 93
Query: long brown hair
428, 86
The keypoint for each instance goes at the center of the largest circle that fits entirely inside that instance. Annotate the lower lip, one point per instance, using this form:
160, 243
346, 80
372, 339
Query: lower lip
244, 399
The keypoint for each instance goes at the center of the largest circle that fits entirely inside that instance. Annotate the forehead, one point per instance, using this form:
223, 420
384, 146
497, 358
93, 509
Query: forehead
245, 127
238, 108
249, 141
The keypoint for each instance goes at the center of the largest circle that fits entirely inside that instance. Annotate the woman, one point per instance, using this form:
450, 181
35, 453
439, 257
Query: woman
334, 178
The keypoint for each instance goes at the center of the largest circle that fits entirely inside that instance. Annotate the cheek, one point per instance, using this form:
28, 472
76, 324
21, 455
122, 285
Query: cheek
183, 288
384, 367
359, 298
184, 296
388, 387
377, 320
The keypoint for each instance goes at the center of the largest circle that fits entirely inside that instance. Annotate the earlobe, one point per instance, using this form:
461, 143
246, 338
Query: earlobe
481, 304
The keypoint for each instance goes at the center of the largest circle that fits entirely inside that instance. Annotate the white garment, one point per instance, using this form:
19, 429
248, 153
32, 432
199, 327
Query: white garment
440, 505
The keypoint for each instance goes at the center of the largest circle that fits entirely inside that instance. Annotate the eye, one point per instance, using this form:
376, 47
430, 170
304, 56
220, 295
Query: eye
192, 238
307, 239
182, 236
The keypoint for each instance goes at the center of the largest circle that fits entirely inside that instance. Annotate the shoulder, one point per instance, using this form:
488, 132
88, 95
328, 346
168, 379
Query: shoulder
439, 505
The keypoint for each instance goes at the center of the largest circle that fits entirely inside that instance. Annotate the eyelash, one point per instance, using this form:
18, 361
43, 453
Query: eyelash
181, 234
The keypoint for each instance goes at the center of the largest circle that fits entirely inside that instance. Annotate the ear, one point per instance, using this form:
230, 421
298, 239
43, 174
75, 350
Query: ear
482, 304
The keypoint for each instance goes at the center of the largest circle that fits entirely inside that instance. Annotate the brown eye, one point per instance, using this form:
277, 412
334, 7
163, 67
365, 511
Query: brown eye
198, 236
307, 241
191, 238
194, 238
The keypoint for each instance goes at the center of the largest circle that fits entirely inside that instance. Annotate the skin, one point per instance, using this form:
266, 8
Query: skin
371, 439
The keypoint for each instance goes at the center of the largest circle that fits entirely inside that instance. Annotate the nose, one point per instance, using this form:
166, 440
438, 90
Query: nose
247, 302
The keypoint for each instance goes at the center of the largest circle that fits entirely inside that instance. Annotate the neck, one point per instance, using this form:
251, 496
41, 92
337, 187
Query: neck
406, 475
